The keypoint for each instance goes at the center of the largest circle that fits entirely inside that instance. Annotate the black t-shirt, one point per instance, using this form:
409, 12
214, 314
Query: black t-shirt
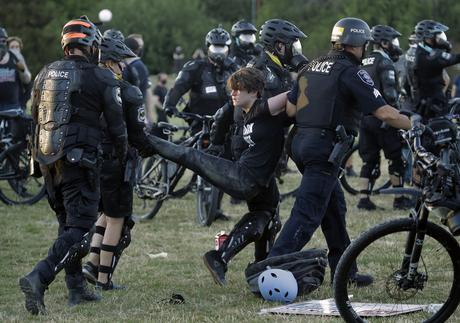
143, 74
264, 135
10, 85
160, 91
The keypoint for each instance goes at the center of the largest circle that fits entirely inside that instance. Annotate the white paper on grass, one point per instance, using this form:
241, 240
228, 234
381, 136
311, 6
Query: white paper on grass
326, 307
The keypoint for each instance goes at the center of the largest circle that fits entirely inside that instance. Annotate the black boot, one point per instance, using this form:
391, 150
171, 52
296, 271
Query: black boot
34, 292
366, 204
90, 272
216, 266
79, 290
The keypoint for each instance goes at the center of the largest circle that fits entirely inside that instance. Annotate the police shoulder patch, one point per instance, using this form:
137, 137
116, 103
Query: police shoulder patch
365, 77
141, 114
117, 95
446, 56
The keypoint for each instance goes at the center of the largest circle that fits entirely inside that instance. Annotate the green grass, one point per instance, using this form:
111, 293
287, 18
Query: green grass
28, 231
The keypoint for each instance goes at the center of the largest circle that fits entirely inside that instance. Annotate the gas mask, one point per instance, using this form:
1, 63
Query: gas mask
292, 50
394, 51
246, 41
441, 41
218, 53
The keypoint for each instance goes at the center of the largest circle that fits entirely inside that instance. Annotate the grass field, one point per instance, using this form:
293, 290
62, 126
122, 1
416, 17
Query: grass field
28, 231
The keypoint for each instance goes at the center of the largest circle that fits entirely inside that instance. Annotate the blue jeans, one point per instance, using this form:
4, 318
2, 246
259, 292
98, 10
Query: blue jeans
319, 202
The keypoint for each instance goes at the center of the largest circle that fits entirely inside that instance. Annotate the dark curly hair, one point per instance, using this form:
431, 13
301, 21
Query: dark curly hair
247, 78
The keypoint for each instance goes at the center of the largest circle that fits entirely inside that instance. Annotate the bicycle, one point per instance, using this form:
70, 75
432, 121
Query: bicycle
418, 260
17, 186
158, 177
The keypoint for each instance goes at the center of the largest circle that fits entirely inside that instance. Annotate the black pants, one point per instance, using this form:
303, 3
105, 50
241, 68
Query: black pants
73, 194
231, 177
116, 194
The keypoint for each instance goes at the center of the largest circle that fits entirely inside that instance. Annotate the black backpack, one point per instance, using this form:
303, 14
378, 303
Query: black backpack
307, 266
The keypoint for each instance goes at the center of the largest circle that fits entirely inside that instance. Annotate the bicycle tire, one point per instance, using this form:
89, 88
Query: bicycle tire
350, 184
435, 235
151, 205
207, 199
21, 188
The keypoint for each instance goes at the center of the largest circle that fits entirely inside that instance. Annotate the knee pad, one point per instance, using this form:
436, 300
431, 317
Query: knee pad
77, 243
370, 170
396, 167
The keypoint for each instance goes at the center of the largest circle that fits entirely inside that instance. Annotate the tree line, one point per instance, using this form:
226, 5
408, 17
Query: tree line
166, 24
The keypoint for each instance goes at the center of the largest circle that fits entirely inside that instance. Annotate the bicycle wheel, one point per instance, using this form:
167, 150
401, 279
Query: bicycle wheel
151, 188
380, 252
207, 198
352, 184
18, 187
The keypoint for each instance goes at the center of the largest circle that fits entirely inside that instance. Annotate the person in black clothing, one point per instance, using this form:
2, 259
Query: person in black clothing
159, 95
374, 135
15, 46
69, 97
244, 48
130, 73
112, 231
432, 56
331, 91
205, 79
251, 178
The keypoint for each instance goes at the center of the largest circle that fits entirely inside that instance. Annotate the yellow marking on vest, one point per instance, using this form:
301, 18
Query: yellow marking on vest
302, 100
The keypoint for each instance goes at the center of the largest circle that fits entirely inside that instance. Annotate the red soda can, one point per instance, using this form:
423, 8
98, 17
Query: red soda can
220, 238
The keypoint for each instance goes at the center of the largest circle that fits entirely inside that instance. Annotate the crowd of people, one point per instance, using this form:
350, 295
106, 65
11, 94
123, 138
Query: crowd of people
94, 113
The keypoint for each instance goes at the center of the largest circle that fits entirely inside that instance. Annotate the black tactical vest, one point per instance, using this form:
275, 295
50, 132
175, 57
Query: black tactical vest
410, 73
55, 129
208, 92
318, 89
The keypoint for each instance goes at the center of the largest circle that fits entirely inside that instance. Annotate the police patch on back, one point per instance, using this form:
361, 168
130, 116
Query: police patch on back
321, 67
365, 77
368, 61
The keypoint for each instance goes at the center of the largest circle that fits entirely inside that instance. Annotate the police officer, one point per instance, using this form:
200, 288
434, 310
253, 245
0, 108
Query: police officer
69, 97
244, 47
374, 135
205, 79
130, 73
327, 94
431, 57
251, 178
112, 232
408, 81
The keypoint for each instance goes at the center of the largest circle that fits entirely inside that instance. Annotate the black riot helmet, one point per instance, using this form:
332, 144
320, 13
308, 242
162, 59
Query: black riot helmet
430, 29
114, 50
80, 32
115, 34
387, 38
243, 27
351, 31
3, 42
276, 31
279, 30
244, 35
218, 41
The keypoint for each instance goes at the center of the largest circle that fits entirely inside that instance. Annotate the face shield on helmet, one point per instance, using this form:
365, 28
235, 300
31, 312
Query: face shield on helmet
246, 41
296, 48
217, 53
442, 42
394, 51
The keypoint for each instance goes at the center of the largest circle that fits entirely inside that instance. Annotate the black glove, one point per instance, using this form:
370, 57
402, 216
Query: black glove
216, 150
170, 111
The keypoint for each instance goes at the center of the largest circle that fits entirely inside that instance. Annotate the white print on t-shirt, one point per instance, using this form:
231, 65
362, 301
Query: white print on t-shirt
7, 75
247, 131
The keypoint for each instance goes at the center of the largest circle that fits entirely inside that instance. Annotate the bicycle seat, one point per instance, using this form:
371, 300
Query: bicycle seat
167, 126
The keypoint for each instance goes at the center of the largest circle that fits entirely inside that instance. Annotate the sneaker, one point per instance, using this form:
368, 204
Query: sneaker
361, 280
90, 272
402, 203
109, 286
216, 266
366, 204
350, 172
34, 292
82, 293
